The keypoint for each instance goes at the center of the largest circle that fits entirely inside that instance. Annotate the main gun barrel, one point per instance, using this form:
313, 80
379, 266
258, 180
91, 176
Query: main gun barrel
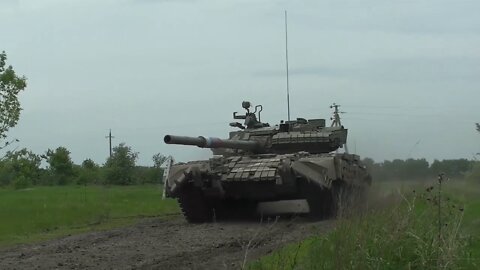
212, 142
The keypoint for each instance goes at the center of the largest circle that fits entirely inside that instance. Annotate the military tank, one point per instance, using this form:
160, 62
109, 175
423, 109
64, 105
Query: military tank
292, 167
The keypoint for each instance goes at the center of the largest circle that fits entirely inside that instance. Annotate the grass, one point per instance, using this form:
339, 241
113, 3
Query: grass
41, 213
469, 195
399, 230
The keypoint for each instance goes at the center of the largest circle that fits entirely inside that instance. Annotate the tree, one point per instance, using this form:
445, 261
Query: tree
478, 126
121, 165
61, 165
10, 87
416, 168
88, 173
20, 168
159, 159
89, 164
474, 174
452, 167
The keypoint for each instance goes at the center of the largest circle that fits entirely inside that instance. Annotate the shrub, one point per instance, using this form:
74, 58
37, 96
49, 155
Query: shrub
60, 165
20, 164
21, 182
474, 174
88, 173
148, 175
121, 165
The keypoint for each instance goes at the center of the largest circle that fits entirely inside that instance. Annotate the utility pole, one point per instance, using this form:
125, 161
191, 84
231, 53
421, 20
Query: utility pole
109, 137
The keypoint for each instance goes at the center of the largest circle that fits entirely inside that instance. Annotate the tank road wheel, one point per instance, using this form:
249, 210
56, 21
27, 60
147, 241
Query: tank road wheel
194, 205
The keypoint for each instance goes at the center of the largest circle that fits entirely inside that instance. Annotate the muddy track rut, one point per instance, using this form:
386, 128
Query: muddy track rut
158, 243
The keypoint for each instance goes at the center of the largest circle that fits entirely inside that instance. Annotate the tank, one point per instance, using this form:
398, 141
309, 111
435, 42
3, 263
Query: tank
294, 167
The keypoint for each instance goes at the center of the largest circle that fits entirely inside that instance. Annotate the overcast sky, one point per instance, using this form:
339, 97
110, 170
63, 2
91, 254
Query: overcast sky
407, 73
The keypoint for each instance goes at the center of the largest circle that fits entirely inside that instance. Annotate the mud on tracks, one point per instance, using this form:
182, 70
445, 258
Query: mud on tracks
164, 244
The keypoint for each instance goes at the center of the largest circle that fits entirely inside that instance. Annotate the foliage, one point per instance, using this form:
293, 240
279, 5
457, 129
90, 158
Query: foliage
21, 182
148, 175
158, 160
46, 212
453, 167
10, 86
402, 232
89, 164
417, 169
474, 174
60, 165
156, 176
120, 167
88, 173
21, 168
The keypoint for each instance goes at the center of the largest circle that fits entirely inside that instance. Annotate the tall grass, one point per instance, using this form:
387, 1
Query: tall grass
39, 212
396, 231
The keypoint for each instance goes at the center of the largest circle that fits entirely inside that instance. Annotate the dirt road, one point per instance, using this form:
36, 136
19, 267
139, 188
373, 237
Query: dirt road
163, 244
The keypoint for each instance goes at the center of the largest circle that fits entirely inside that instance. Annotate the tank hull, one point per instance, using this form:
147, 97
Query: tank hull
223, 187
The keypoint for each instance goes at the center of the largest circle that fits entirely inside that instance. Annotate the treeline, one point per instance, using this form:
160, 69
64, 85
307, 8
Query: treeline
416, 169
22, 169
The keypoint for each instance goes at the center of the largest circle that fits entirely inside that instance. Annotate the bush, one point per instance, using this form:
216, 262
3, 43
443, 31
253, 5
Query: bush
22, 165
85, 177
61, 165
88, 173
148, 175
474, 174
21, 182
120, 167
7, 175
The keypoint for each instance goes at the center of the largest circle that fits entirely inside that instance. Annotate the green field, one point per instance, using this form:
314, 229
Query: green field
399, 231
46, 212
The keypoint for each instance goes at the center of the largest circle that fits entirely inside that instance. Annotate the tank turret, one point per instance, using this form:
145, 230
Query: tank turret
310, 136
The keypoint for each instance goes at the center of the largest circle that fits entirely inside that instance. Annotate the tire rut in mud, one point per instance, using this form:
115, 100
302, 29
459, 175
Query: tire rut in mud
163, 244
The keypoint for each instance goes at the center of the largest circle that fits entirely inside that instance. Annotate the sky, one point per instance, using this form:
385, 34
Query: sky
406, 73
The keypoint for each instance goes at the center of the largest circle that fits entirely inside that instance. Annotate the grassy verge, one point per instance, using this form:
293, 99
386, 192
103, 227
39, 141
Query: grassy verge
469, 195
399, 230
46, 212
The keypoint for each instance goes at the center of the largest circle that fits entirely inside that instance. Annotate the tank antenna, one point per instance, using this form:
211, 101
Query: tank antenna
286, 59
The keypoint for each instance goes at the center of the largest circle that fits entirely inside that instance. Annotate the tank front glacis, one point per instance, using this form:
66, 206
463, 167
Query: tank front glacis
260, 163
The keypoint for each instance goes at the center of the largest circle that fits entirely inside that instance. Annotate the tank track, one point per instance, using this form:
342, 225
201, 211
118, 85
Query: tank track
235, 210
320, 200
194, 206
